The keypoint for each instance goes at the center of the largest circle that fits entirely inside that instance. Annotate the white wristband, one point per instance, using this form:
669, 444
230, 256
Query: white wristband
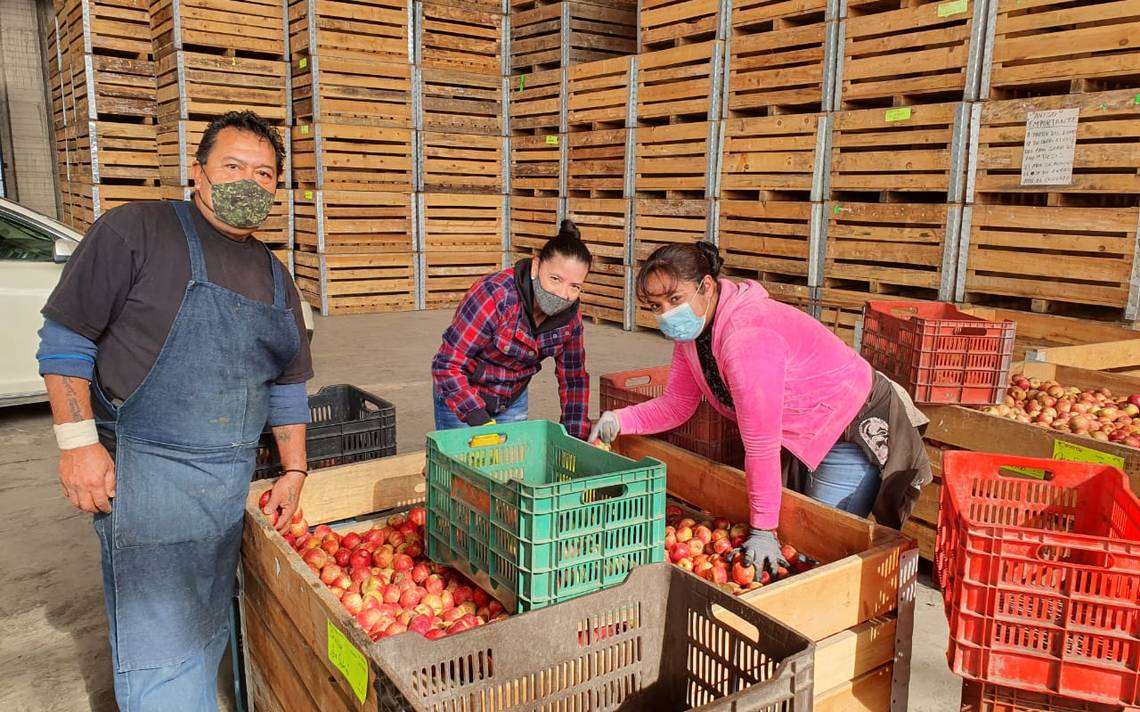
70, 436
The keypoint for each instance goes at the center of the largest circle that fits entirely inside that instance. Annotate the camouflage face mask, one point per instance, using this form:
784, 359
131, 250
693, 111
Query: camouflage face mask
241, 203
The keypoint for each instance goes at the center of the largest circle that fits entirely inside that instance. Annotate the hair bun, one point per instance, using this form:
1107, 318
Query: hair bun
712, 254
569, 229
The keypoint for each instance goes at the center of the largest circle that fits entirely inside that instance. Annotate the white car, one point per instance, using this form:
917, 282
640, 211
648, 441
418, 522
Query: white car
33, 250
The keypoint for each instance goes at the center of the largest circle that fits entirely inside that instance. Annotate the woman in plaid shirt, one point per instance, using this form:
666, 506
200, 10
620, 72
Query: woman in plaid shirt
507, 323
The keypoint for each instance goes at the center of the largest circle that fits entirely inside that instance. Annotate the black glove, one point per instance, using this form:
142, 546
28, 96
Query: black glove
761, 548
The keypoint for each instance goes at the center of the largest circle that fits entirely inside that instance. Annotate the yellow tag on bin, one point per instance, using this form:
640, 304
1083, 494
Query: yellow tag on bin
552, 140
302, 62
954, 7
347, 658
1063, 450
900, 114
305, 130
308, 195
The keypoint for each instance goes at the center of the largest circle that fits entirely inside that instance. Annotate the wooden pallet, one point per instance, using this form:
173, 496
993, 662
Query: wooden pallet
90, 200
536, 164
119, 28
840, 310
660, 222
356, 283
339, 221
112, 150
459, 37
677, 84
178, 143
536, 102
534, 221
364, 30
350, 157
277, 230
112, 88
767, 240
1106, 157
252, 28
1047, 257
666, 24
462, 223
597, 163
780, 57
604, 295
1061, 46
675, 161
603, 224
462, 163
901, 52
599, 94
900, 152
352, 91
892, 248
592, 31
450, 274
461, 102
203, 86
776, 157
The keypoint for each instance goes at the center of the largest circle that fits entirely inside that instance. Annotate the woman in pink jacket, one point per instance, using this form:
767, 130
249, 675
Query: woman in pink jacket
787, 381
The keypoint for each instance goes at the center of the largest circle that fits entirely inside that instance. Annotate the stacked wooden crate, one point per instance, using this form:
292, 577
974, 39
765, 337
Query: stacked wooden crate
104, 106
461, 181
352, 138
548, 34
1053, 197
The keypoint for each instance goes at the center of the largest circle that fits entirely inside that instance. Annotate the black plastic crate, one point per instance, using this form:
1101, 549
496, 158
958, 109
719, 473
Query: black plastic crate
348, 425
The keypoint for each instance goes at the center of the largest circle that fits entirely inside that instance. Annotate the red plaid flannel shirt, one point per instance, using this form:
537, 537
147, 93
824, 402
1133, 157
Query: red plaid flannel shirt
489, 353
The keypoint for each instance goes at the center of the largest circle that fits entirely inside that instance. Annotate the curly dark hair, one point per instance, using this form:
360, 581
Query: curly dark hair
246, 121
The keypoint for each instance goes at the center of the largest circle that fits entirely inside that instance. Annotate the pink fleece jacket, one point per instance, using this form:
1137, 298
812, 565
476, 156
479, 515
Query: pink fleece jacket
793, 383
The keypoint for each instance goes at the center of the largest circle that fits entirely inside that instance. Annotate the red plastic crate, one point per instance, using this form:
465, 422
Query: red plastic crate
1041, 577
938, 353
707, 433
987, 697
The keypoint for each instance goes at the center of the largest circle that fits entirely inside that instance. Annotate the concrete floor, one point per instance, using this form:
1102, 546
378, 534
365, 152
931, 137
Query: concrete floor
53, 647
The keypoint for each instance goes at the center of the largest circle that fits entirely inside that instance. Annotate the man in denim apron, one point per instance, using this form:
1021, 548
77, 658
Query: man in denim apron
173, 338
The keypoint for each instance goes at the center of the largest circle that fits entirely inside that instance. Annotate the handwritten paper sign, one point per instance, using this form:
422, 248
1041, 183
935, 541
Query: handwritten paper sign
347, 658
1072, 452
1050, 144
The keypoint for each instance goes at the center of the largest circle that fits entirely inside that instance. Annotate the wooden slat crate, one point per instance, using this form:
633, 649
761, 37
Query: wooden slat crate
678, 84
603, 224
350, 157
460, 37
112, 88
364, 30
658, 222
904, 151
535, 102
597, 163
1080, 343
356, 283
534, 221
781, 55
536, 164
89, 201
114, 150
671, 23
450, 274
252, 28
1062, 46
106, 27
339, 221
675, 161
841, 309
599, 94
277, 230
536, 37
462, 223
901, 52
768, 241
203, 86
892, 248
774, 158
1044, 258
352, 91
178, 143
601, 29
591, 32
461, 102
462, 163
604, 295
1106, 157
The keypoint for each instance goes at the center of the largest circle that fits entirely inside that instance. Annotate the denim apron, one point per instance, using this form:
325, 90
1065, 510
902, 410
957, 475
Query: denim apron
186, 442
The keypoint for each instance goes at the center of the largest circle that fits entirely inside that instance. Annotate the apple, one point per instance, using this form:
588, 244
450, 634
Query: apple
722, 546
455, 614
447, 598
462, 594
480, 596
395, 538
696, 546
360, 559
402, 562
413, 549
460, 626
433, 584
680, 551
421, 624
684, 534
316, 559
435, 634
435, 602
686, 563
375, 536
411, 598
343, 581
703, 533
391, 593
343, 557
743, 575
395, 629
351, 540
353, 603
719, 574
420, 572
703, 569
368, 618
418, 516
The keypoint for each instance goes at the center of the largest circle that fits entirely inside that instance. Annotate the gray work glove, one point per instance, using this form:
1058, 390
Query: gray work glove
606, 429
761, 548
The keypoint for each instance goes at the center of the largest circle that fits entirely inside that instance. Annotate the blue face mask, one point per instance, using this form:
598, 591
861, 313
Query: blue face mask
681, 323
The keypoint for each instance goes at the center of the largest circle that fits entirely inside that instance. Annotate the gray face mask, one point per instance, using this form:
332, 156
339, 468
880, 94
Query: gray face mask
549, 304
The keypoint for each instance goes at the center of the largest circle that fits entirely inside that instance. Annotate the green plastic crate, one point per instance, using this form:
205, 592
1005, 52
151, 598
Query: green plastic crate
538, 517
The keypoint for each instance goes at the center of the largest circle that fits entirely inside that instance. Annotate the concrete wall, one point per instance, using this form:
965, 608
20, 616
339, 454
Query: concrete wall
25, 110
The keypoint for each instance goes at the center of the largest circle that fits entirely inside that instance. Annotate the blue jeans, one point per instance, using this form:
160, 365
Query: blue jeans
846, 480
189, 686
445, 419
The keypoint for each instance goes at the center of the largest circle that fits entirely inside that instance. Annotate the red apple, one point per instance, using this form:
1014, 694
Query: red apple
330, 573
462, 594
696, 546
743, 575
420, 572
316, 559
684, 534
343, 557
418, 516
402, 562
435, 602
392, 593
433, 584
360, 559
396, 520
383, 558
722, 546
413, 549
322, 530
421, 624
679, 551
395, 629
719, 574
703, 533
351, 540
343, 581
353, 603
435, 634
375, 536
480, 596
411, 598
686, 563
454, 614
368, 619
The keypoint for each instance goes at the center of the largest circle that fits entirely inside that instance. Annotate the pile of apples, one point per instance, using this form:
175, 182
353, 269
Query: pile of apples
706, 547
1097, 414
383, 579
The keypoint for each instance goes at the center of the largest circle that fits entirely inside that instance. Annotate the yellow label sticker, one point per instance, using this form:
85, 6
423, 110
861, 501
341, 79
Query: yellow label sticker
901, 114
349, 660
551, 140
308, 195
1063, 450
305, 130
954, 7
302, 62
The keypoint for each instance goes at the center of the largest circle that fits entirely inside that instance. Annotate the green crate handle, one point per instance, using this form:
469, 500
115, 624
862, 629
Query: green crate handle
601, 494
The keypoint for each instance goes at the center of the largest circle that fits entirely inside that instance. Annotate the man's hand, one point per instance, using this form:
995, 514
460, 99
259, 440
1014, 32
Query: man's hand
88, 477
285, 496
